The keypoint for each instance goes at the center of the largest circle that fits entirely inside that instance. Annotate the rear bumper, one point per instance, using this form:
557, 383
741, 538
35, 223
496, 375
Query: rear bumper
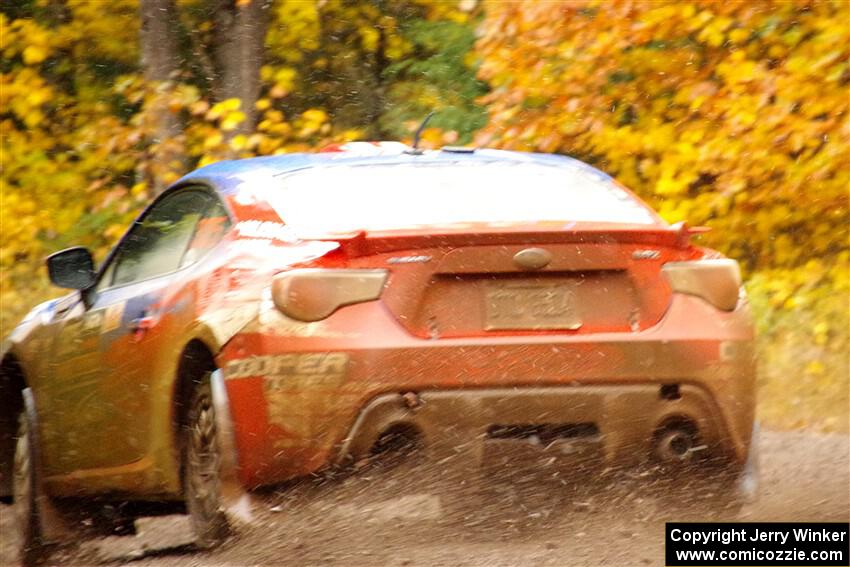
617, 421
307, 395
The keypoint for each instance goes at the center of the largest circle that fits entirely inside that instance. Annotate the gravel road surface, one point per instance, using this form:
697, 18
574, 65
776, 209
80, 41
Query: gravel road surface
404, 516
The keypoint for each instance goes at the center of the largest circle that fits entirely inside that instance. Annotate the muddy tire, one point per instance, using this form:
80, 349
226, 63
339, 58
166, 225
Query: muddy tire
202, 470
30, 542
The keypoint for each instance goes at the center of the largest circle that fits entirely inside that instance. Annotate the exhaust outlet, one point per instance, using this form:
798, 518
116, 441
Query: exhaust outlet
675, 445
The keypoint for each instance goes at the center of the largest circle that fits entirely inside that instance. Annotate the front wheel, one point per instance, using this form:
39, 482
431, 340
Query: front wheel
202, 470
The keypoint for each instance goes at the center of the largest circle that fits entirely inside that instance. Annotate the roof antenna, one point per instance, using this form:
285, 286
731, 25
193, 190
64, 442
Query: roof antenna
418, 134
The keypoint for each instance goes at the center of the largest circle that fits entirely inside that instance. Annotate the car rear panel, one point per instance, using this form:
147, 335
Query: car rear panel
479, 291
591, 283
448, 321
295, 407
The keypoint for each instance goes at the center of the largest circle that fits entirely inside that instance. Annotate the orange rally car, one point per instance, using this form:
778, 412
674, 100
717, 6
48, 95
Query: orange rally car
269, 317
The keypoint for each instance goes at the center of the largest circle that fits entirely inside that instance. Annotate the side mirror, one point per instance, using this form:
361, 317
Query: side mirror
71, 268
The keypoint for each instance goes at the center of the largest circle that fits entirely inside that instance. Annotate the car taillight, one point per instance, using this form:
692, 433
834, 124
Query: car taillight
718, 281
313, 294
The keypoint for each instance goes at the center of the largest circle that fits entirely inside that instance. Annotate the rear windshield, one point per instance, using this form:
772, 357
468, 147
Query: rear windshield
340, 199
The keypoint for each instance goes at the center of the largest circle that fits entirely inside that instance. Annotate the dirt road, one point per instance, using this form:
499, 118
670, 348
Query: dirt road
399, 517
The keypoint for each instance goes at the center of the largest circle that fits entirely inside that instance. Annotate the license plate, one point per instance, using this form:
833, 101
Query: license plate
530, 306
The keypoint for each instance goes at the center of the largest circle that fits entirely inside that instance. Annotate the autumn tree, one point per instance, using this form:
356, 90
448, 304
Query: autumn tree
731, 114
160, 61
723, 113
377, 67
239, 33
232, 54
102, 105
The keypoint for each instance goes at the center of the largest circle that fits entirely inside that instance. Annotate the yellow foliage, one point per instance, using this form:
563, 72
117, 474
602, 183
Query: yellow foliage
729, 114
719, 114
34, 54
733, 115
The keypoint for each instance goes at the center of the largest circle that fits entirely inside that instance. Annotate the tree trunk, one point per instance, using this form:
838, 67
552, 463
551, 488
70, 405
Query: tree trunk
240, 31
161, 67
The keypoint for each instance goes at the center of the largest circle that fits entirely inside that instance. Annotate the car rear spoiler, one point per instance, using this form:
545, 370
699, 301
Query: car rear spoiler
363, 243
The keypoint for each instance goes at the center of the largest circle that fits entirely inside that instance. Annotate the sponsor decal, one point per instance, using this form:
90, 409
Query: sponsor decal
112, 316
92, 320
279, 369
288, 387
266, 229
306, 330
646, 254
421, 259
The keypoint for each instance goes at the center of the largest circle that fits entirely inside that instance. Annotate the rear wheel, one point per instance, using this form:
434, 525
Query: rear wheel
30, 540
202, 468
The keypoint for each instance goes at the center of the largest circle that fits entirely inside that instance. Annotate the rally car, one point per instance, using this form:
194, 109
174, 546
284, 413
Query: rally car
270, 317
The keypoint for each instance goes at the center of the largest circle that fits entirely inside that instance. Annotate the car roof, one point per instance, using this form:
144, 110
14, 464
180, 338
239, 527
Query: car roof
227, 177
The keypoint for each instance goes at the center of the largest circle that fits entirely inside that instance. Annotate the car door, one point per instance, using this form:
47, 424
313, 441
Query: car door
103, 353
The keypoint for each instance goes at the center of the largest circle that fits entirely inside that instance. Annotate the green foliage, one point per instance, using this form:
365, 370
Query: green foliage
377, 67
436, 76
